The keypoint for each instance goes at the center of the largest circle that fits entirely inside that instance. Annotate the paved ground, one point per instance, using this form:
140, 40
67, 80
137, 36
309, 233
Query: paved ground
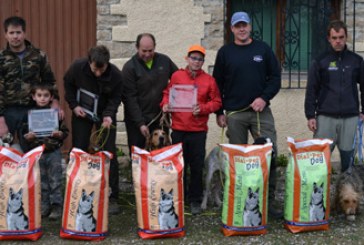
205, 229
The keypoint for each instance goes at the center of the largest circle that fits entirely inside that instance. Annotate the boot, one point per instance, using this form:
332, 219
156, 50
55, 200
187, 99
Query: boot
347, 159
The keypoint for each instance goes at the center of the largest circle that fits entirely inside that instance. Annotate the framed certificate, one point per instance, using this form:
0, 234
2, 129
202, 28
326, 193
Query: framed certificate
88, 101
43, 122
182, 98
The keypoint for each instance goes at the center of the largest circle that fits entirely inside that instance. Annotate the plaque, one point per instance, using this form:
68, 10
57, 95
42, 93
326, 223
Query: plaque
88, 101
182, 98
43, 122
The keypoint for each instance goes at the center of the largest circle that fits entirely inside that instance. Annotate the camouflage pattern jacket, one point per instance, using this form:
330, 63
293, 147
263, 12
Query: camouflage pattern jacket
17, 75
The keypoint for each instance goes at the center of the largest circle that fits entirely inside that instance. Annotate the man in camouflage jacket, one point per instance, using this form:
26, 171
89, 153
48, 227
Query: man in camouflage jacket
21, 66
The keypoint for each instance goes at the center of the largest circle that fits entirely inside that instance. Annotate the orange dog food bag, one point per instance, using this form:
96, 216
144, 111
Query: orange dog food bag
246, 189
307, 192
158, 185
20, 195
86, 202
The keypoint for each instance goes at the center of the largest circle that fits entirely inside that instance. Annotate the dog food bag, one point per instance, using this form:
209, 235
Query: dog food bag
246, 189
86, 202
307, 192
158, 185
20, 194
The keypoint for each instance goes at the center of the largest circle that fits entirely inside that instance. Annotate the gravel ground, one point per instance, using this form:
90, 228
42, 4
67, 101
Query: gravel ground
205, 228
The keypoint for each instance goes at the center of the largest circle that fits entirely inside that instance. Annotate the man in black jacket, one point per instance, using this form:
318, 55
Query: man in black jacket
332, 103
87, 80
145, 76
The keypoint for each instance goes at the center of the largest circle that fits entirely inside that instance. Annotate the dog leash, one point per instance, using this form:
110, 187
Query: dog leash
97, 138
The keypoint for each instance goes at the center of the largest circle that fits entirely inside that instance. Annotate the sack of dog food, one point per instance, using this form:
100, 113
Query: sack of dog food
20, 195
158, 185
246, 189
307, 193
86, 202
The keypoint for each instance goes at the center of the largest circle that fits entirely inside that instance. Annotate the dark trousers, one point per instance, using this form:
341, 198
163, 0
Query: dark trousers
193, 144
15, 117
81, 132
51, 178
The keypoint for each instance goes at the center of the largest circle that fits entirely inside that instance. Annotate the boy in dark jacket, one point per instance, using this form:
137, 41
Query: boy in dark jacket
51, 160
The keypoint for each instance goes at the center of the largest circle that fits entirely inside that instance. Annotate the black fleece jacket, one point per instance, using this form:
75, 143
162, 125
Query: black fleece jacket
332, 85
108, 86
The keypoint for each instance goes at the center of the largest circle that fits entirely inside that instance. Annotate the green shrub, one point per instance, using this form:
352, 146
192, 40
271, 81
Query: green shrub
282, 160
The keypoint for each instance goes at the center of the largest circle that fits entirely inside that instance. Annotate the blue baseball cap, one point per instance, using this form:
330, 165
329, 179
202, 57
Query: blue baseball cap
240, 17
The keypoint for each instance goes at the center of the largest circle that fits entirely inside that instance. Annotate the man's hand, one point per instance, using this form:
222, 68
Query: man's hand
30, 136
258, 104
57, 134
144, 130
221, 120
3, 127
311, 124
361, 116
196, 110
165, 108
106, 122
79, 112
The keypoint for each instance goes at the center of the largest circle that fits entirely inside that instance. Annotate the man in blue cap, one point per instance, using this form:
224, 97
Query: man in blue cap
248, 75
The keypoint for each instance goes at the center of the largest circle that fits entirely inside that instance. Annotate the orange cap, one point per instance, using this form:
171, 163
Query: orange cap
197, 48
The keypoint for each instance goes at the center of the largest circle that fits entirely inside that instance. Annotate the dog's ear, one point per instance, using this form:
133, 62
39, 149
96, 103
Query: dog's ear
20, 191
171, 192
249, 190
322, 185
11, 191
168, 139
92, 194
83, 193
257, 190
162, 191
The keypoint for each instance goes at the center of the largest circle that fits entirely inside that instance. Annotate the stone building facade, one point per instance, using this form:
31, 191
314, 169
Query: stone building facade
176, 25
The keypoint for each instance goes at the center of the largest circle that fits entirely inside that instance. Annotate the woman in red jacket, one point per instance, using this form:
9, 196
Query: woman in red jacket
191, 96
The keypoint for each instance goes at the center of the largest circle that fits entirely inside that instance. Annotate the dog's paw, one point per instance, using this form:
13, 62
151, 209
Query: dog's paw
204, 205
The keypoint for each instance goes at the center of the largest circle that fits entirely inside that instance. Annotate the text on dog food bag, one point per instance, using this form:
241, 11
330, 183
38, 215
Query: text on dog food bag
158, 185
307, 192
20, 194
85, 211
246, 188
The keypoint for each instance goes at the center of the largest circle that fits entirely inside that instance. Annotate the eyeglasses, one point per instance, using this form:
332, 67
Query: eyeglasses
197, 59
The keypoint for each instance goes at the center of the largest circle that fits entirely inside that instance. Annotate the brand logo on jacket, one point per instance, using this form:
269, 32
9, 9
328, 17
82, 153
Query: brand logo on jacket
258, 58
332, 66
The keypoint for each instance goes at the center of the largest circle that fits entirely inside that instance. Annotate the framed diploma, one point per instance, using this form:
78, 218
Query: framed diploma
182, 98
43, 122
88, 101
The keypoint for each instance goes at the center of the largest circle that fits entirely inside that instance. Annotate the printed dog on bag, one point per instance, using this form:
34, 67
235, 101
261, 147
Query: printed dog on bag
317, 209
252, 214
85, 220
168, 219
16, 218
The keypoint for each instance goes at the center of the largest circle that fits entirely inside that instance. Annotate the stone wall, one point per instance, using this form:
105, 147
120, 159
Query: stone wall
176, 25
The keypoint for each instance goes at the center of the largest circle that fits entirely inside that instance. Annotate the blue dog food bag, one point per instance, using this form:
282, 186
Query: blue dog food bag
307, 193
246, 189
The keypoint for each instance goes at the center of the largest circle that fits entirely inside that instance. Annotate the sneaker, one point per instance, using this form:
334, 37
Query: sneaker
114, 207
195, 208
45, 211
56, 213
